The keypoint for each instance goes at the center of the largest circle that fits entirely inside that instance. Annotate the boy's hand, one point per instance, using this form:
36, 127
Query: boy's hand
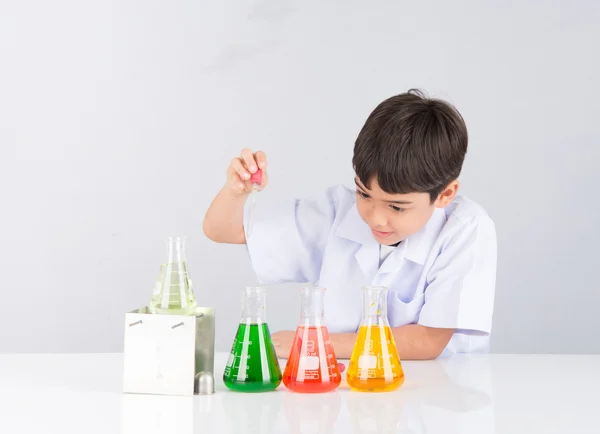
282, 341
241, 168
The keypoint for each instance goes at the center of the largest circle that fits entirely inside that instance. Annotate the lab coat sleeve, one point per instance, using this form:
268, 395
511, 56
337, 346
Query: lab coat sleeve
287, 241
461, 283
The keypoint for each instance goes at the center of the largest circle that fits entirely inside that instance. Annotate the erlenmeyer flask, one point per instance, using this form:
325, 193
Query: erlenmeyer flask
173, 292
375, 365
312, 366
252, 365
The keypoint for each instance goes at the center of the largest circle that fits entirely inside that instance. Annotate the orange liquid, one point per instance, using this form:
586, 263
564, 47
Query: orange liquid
312, 366
375, 365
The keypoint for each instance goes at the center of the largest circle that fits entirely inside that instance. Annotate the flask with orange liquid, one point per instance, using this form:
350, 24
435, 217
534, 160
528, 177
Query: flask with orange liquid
374, 364
312, 366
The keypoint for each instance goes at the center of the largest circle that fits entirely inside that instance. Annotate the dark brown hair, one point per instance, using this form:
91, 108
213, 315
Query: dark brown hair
411, 144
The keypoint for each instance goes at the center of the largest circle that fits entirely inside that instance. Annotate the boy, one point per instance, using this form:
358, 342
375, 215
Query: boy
404, 227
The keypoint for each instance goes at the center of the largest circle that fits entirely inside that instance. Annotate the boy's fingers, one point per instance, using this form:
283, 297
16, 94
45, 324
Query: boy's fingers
234, 180
248, 158
237, 185
241, 169
261, 159
238, 167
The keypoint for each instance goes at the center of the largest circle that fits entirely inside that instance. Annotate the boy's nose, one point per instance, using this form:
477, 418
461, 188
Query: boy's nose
377, 219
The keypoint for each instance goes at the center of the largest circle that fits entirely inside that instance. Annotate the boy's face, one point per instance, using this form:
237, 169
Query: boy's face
394, 217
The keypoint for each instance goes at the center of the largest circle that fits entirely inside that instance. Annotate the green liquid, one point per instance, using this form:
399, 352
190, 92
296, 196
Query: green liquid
173, 292
252, 364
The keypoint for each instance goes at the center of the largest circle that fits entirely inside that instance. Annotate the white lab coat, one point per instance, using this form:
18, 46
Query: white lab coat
442, 276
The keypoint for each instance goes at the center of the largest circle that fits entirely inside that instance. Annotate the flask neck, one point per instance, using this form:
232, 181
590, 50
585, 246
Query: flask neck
312, 306
375, 306
175, 249
254, 306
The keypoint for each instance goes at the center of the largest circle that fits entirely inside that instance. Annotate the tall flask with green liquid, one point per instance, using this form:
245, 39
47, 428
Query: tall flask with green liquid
252, 365
173, 292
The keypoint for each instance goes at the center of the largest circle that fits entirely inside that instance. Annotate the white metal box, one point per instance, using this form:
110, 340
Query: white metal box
167, 354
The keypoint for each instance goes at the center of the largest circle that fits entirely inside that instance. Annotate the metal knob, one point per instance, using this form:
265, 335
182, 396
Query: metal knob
204, 383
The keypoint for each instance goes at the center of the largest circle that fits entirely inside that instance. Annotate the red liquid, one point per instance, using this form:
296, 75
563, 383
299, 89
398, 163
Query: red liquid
312, 366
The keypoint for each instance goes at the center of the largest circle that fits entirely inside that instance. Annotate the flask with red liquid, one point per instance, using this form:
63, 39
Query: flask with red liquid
312, 366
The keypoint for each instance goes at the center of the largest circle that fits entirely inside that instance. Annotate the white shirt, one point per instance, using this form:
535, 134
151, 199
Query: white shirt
443, 276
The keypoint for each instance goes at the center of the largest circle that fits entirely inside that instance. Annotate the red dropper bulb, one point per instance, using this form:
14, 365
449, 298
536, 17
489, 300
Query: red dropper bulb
256, 177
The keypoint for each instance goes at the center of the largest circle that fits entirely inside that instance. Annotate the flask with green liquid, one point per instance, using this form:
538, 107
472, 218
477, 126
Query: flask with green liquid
252, 365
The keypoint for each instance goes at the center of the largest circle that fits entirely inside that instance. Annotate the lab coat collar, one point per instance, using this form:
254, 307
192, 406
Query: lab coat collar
419, 245
415, 248
353, 228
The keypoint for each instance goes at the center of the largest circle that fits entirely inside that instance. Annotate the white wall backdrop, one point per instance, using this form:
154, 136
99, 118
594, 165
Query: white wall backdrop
119, 117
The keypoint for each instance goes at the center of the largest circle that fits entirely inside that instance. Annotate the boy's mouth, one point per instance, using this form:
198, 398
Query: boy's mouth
379, 234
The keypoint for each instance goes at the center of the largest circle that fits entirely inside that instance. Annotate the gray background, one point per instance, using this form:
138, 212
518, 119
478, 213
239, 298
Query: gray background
118, 119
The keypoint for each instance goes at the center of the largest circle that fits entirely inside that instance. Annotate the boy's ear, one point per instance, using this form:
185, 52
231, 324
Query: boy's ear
447, 194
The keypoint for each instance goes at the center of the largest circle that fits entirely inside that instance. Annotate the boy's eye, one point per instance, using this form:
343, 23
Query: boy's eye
361, 194
397, 208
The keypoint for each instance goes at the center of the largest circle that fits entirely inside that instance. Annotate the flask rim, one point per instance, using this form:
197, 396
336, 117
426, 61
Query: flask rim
375, 288
175, 238
254, 290
313, 288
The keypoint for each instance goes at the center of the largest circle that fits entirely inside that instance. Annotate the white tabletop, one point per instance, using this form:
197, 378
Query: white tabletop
466, 394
